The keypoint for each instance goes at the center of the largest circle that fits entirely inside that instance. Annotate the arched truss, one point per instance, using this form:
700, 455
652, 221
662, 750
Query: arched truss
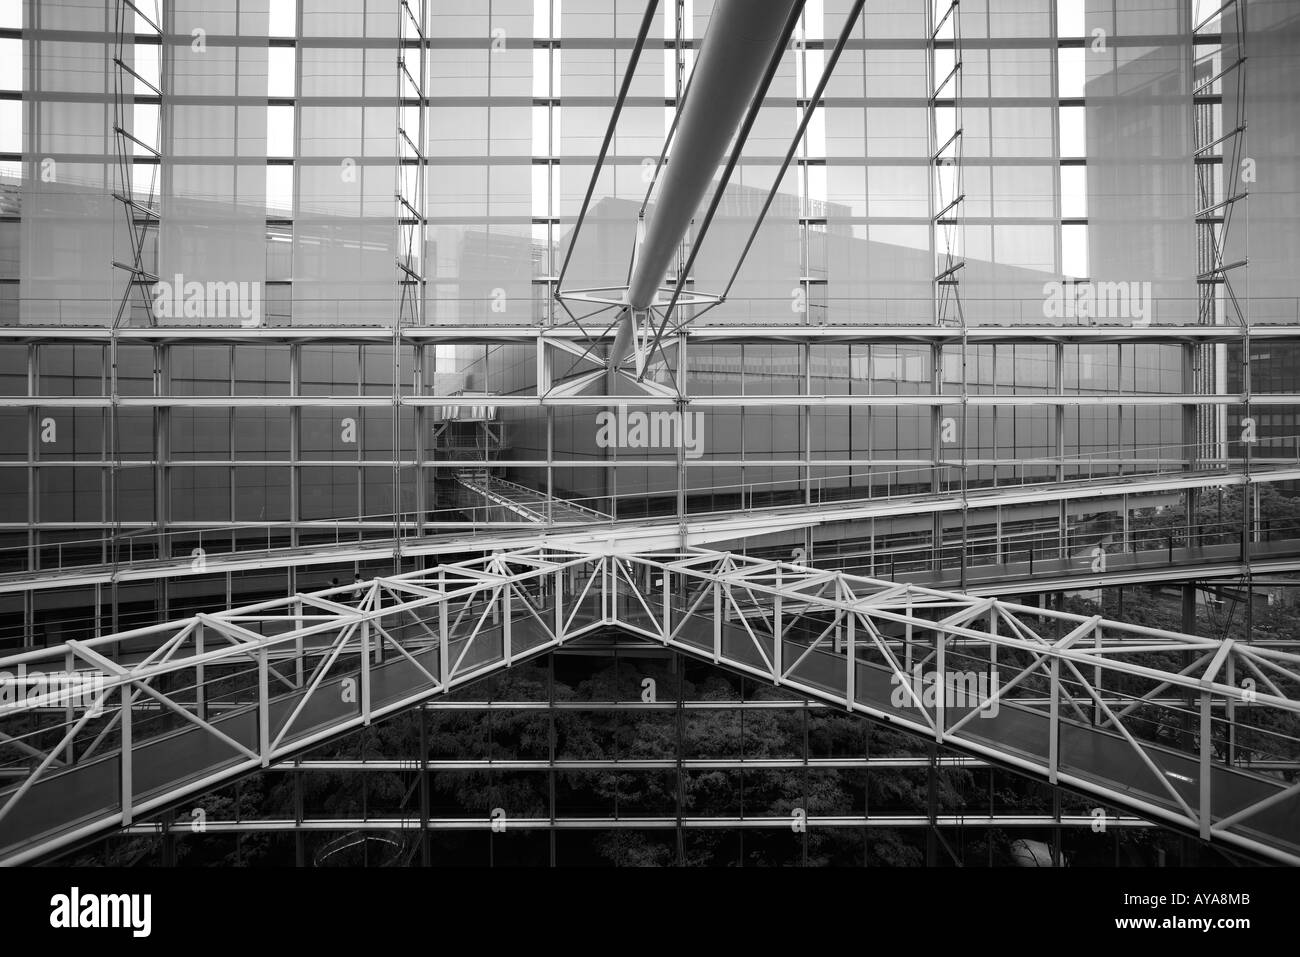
1173, 727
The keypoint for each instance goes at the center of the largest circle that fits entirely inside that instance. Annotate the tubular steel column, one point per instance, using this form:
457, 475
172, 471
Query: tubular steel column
741, 50
738, 46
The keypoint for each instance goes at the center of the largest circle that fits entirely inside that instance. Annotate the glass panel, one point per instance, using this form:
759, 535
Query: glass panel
71, 229
1141, 197
345, 232
212, 254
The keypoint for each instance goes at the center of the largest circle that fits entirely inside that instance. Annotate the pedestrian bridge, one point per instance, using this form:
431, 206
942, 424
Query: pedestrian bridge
1169, 726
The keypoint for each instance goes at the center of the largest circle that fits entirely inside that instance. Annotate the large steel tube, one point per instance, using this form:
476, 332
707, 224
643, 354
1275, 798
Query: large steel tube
738, 46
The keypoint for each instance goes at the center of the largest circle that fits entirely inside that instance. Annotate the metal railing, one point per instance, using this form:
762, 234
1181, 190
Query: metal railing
1084, 553
1157, 722
179, 543
827, 305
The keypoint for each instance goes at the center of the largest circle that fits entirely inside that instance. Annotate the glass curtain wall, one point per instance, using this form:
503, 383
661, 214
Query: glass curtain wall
828, 374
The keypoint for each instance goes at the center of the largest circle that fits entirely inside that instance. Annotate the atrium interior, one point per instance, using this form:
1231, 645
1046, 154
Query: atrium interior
649, 432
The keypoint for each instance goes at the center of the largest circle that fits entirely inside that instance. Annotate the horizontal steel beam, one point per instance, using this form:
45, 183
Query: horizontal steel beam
702, 331
624, 823
1101, 464
1053, 399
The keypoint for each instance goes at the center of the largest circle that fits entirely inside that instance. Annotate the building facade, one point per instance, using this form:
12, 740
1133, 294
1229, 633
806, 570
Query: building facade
281, 278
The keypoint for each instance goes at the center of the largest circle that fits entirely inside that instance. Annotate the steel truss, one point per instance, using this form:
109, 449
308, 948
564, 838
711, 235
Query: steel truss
141, 208
409, 202
947, 235
182, 706
1218, 151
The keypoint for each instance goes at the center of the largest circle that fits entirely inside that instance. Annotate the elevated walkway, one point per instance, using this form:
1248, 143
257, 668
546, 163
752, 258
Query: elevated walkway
528, 504
1034, 562
588, 527
177, 708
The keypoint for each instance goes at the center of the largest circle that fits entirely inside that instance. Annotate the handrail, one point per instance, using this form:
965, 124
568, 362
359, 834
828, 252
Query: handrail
1115, 681
418, 525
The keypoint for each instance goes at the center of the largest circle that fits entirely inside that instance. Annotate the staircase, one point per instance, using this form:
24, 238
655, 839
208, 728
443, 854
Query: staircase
476, 476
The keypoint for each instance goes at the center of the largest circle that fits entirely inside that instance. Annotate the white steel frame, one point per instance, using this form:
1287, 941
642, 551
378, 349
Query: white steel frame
458, 622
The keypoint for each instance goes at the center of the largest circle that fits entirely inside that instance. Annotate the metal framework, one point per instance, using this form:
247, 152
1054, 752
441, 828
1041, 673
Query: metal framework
947, 232
559, 810
739, 56
179, 707
410, 201
275, 640
986, 504
1219, 149
140, 209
